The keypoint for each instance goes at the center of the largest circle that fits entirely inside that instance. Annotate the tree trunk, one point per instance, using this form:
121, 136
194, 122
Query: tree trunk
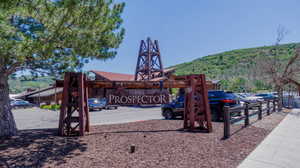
7, 122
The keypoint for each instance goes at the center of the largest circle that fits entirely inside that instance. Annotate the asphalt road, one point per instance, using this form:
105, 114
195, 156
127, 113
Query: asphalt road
36, 118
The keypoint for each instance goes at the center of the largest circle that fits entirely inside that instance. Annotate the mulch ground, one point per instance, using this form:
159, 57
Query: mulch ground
158, 144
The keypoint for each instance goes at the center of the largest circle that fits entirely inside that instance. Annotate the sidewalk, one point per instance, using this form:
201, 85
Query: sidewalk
281, 148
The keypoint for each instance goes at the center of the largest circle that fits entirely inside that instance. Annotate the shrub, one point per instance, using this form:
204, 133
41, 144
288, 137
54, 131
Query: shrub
44, 106
53, 107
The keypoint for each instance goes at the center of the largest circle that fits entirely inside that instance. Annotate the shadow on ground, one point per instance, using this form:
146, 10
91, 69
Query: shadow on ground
37, 148
181, 130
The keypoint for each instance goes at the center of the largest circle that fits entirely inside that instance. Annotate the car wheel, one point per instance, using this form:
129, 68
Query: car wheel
116, 108
168, 114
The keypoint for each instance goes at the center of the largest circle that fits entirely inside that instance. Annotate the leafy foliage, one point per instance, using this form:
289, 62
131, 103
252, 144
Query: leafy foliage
44, 36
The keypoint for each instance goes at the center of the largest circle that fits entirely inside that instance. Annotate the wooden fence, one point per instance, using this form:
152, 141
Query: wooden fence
258, 108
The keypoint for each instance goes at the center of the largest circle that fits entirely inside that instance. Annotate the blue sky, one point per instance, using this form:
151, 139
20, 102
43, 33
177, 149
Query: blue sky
190, 29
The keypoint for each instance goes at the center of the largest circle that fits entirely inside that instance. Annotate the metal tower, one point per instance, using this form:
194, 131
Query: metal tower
149, 64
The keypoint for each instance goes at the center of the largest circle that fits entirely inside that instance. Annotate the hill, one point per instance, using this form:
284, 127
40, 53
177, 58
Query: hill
235, 69
21, 84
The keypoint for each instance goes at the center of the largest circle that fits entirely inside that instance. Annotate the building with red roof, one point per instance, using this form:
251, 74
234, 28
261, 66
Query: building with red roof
111, 76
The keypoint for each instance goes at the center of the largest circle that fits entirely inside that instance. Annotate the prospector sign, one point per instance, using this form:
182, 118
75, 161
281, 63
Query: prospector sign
131, 97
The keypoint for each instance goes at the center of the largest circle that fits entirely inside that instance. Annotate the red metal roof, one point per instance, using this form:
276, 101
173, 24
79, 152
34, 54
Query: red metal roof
114, 76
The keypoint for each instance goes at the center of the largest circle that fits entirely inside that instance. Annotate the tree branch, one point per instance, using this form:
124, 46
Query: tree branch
295, 82
12, 68
291, 61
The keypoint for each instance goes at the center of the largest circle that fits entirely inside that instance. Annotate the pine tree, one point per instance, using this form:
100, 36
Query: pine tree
53, 36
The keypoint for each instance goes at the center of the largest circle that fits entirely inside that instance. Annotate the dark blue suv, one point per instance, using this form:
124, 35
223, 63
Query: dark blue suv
217, 101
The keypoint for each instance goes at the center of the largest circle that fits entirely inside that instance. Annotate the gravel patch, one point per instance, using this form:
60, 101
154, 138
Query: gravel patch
154, 143
269, 121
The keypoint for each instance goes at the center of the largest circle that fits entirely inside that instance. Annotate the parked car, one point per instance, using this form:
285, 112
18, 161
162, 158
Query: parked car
266, 96
173, 109
17, 103
275, 94
248, 98
95, 104
253, 99
108, 106
217, 100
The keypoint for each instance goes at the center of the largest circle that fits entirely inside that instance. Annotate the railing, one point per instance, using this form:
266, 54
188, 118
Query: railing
258, 108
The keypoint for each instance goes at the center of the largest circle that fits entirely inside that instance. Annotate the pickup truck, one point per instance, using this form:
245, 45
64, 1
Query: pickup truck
95, 104
217, 100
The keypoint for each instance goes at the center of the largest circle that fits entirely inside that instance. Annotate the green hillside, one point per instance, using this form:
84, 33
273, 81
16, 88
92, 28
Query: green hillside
20, 84
237, 68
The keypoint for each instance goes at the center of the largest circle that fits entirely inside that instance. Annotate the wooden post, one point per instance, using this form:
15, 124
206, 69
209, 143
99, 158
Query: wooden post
74, 99
86, 106
226, 122
279, 107
260, 111
55, 95
186, 110
268, 107
192, 116
64, 104
246, 113
81, 105
274, 105
197, 111
206, 103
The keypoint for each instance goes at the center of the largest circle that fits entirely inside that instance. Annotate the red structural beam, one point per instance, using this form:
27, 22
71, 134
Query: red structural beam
135, 84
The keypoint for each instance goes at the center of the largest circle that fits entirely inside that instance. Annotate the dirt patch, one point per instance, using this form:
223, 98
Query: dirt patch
268, 122
156, 143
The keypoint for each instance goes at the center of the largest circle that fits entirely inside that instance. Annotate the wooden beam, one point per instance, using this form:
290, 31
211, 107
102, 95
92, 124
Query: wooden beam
135, 84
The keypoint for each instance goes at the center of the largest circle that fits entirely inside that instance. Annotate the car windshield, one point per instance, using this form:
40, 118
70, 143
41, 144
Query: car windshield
21, 102
93, 101
215, 93
262, 95
241, 95
246, 95
230, 95
103, 100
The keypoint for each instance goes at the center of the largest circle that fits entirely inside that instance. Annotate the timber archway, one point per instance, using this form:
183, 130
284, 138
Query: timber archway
74, 114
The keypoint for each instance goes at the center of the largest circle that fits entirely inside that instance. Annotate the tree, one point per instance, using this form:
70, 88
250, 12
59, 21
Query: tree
279, 71
53, 36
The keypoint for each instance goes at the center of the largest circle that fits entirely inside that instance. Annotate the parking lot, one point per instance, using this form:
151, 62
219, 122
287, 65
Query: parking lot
36, 118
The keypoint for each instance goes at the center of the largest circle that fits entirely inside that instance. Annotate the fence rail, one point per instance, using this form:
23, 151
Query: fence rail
258, 108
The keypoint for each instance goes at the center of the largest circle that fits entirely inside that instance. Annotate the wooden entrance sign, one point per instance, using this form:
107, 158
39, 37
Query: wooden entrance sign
138, 97
197, 115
